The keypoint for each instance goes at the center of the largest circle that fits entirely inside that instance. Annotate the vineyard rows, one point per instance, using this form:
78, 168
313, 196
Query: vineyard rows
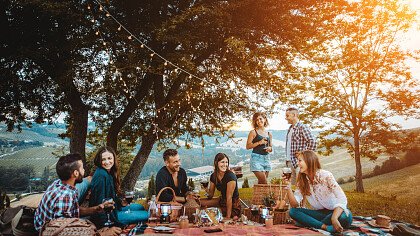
38, 157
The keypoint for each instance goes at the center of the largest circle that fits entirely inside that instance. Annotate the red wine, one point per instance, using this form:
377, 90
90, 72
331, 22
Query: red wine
254, 212
108, 209
205, 184
129, 199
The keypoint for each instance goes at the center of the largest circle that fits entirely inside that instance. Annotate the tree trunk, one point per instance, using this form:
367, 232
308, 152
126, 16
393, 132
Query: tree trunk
79, 131
139, 161
359, 179
79, 118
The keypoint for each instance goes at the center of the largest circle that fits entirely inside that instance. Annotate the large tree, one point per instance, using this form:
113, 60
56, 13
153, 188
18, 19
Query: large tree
229, 47
362, 79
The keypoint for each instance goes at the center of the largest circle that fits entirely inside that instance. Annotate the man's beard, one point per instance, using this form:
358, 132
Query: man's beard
79, 179
175, 169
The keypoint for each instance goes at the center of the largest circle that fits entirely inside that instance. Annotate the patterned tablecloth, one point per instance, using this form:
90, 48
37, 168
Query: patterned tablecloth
285, 229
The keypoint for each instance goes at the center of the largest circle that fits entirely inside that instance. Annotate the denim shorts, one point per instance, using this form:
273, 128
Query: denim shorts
260, 162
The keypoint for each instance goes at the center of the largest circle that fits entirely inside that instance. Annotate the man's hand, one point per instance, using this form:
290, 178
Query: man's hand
337, 226
192, 195
114, 231
100, 207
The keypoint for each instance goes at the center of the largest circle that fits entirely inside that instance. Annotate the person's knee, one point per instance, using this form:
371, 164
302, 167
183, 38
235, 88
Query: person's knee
292, 212
345, 220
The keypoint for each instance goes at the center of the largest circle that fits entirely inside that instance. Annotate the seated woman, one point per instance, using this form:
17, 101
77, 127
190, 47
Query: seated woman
106, 184
226, 182
319, 188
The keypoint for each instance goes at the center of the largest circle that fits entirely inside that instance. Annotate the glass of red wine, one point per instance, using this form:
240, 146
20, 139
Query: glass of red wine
108, 209
129, 197
287, 172
254, 212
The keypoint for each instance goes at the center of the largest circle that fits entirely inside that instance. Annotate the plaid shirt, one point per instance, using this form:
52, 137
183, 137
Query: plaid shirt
59, 201
301, 140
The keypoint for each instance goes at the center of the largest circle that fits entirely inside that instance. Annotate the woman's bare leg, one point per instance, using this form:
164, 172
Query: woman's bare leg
261, 176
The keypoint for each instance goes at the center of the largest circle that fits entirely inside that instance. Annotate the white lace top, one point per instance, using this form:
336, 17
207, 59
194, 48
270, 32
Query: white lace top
325, 193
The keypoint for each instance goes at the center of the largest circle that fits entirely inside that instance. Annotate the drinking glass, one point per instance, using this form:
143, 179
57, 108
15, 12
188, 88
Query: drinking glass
108, 209
129, 196
254, 212
287, 171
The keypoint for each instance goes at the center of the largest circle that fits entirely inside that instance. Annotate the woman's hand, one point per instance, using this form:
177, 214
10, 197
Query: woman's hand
337, 226
268, 149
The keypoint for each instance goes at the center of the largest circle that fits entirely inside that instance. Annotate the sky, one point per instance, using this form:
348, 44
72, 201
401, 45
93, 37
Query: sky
411, 40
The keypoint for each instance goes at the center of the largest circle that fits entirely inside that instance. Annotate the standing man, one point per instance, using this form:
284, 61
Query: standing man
299, 138
61, 198
172, 175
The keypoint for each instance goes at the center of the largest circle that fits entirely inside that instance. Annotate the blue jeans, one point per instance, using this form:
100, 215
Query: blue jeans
137, 214
82, 189
316, 218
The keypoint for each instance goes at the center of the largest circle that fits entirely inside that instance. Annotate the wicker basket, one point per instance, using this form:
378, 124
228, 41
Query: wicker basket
279, 217
175, 206
262, 190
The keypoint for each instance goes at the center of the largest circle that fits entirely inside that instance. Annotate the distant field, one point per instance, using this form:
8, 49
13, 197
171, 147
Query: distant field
38, 157
29, 135
339, 163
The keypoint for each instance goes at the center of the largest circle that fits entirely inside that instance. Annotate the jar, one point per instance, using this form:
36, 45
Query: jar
269, 221
183, 222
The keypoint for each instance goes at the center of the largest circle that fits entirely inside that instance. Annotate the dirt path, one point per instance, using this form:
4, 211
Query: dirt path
31, 200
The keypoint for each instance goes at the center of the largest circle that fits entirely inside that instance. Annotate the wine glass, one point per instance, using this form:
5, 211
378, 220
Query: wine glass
108, 207
287, 172
254, 211
129, 196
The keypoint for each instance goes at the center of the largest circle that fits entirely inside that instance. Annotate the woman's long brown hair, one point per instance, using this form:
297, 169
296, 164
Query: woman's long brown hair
305, 180
219, 156
114, 169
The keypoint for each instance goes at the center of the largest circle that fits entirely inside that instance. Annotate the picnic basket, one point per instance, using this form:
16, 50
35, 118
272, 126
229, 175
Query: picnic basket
175, 206
263, 190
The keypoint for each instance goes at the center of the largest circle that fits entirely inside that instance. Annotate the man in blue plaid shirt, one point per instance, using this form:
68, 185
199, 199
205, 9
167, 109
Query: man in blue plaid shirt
61, 198
299, 138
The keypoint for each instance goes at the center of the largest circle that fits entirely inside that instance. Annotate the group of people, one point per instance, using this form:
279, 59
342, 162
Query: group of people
315, 186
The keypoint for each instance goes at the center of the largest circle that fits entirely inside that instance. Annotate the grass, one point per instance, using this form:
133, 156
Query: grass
395, 194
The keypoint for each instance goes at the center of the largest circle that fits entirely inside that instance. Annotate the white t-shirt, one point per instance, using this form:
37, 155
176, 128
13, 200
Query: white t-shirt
289, 144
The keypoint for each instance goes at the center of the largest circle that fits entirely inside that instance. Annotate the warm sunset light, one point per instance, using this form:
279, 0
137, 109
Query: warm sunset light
189, 117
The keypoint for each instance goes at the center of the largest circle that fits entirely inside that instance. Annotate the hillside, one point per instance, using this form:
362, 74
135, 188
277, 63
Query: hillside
401, 185
38, 157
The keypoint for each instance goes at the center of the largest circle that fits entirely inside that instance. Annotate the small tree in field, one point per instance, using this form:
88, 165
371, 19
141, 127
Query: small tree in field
245, 184
191, 184
151, 189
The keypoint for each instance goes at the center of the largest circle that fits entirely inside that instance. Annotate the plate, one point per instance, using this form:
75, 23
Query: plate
163, 229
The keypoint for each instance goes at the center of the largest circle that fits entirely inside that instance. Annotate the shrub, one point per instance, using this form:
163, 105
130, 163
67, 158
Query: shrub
245, 184
341, 180
350, 179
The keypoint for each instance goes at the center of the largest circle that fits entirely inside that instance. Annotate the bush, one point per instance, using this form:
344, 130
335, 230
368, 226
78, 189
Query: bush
351, 179
412, 156
341, 180
245, 184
